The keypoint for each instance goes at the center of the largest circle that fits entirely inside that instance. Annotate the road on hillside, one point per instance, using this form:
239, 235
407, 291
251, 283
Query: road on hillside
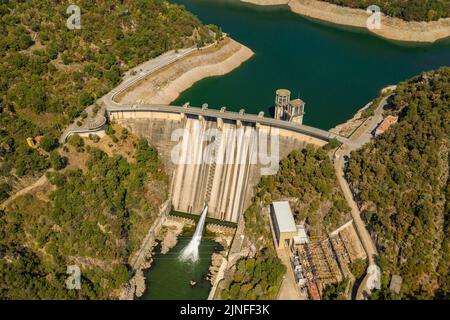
360, 137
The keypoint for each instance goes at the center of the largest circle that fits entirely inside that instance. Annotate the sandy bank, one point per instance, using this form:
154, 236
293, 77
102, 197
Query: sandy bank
165, 85
392, 28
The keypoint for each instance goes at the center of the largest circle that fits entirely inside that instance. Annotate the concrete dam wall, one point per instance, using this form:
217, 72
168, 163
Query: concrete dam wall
211, 160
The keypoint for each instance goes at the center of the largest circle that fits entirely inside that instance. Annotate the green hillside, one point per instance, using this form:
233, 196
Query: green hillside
49, 73
402, 184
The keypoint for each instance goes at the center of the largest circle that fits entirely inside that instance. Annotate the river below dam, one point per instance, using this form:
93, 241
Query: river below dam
335, 70
169, 278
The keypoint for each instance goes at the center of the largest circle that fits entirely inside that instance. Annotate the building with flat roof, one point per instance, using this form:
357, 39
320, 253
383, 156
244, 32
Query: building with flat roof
301, 237
283, 224
396, 283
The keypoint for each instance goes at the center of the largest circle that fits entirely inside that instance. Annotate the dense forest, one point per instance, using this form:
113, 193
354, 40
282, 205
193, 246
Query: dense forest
401, 180
49, 73
94, 217
306, 178
409, 10
256, 278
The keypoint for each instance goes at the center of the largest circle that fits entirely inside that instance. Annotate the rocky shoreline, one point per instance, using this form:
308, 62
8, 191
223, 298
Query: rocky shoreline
165, 85
347, 128
167, 238
391, 28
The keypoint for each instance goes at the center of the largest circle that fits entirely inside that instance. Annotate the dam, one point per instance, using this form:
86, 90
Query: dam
214, 157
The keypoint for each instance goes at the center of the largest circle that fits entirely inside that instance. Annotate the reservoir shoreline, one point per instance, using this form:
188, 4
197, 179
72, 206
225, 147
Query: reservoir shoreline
166, 84
391, 28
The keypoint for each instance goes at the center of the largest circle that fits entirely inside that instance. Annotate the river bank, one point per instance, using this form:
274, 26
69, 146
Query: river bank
391, 28
166, 84
173, 235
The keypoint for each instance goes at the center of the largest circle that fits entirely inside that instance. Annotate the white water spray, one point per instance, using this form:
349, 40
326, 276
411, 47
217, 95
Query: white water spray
190, 252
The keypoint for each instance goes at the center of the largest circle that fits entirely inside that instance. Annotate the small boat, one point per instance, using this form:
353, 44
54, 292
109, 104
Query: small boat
193, 283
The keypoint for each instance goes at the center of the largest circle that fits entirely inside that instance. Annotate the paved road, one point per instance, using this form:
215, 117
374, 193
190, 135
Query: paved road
92, 124
143, 70
364, 133
138, 73
159, 62
360, 137
229, 115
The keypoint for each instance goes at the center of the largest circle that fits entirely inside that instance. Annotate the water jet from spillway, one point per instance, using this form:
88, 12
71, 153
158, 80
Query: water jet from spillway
190, 252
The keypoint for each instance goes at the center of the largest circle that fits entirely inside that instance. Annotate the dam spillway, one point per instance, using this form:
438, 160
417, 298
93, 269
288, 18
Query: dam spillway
217, 177
219, 171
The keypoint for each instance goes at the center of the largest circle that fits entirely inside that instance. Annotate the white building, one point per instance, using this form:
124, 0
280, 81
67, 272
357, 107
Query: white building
283, 224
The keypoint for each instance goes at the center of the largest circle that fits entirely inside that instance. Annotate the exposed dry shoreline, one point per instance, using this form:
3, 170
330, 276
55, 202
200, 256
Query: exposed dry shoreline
166, 84
392, 28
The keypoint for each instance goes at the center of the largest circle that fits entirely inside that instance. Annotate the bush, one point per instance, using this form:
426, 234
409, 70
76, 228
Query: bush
76, 141
95, 138
86, 99
358, 268
5, 189
109, 130
57, 162
48, 143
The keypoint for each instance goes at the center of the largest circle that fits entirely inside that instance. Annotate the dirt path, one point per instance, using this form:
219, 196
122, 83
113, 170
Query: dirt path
38, 183
363, 234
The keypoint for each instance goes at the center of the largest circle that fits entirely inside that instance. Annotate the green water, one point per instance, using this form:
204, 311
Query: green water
335, 70
169, 278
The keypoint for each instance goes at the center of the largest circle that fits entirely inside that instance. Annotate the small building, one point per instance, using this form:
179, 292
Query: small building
283, 224
38, 140
396, 284
287, 109
385, 125
301, 237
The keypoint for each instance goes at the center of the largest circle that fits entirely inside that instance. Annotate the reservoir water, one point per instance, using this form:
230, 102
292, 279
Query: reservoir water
335, 70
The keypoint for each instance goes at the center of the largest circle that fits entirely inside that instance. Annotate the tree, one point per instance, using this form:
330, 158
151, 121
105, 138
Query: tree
86, 99
76, 141
398, 179
57, 162
5, 189
49, 142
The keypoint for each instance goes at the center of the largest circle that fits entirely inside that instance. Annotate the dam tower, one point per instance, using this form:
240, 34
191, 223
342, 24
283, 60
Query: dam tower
287, 109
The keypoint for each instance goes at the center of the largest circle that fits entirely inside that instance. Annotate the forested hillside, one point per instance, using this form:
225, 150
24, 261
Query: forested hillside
94, 217
409, 10
49, 73
402, 183
306, 178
